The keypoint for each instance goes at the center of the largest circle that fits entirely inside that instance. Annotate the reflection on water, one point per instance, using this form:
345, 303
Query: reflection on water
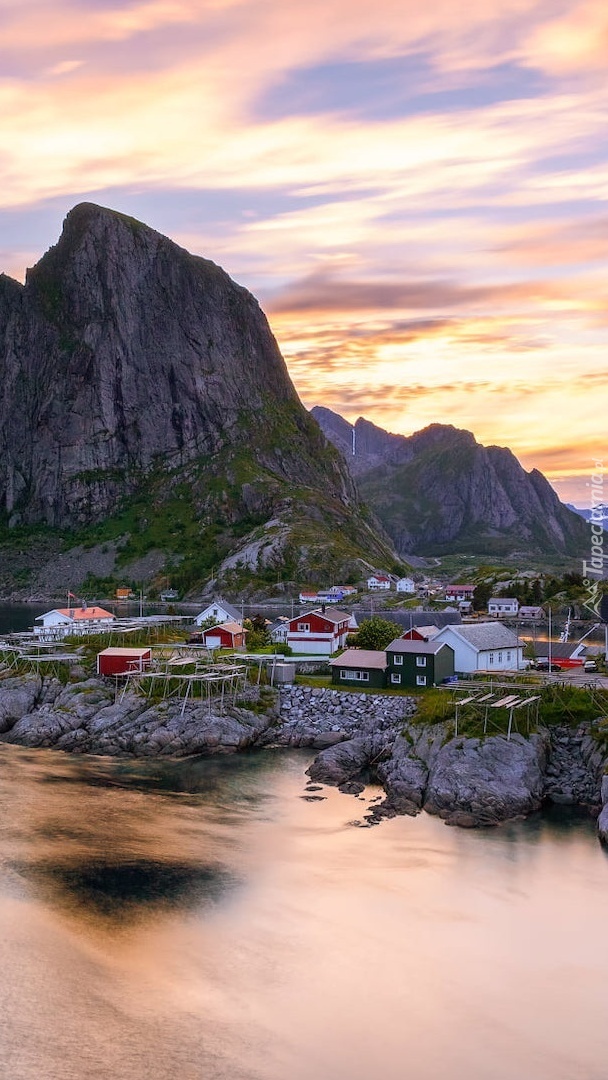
201, 920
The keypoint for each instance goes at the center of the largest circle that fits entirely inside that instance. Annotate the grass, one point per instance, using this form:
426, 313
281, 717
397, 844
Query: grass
559, 705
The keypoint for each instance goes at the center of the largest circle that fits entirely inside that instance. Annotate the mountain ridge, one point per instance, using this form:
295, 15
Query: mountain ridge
439, 491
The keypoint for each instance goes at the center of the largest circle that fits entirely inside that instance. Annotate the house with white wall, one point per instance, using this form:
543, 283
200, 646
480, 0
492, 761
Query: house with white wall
456, 593
220, 611
406, 585
500, 606
483, 646
378, 582
64, 622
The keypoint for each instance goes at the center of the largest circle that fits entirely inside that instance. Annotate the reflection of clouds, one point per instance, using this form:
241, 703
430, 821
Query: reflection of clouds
120, 841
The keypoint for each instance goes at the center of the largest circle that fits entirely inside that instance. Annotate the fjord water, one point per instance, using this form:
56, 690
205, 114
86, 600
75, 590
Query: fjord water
201, 920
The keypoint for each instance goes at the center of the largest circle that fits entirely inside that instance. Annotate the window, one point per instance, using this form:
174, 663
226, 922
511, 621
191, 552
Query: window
421, 661
500, 658
357, 676
420, 680
396, 678
491, 658
508, 656
304, 627
398, 658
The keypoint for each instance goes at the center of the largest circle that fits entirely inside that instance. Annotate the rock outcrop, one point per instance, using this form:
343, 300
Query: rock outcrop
486, 781
140, 386
602, 821
439, 488
466, 781
85, 718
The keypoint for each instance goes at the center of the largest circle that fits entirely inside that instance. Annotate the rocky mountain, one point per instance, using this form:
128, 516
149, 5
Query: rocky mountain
145, 407
440, 491
598, 514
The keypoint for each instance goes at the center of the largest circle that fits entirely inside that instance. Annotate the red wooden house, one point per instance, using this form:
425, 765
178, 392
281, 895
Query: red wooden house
319, 632
228, 635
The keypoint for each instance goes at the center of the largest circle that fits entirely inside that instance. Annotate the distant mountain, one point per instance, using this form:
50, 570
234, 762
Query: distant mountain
145, 406
440, 491
600, 512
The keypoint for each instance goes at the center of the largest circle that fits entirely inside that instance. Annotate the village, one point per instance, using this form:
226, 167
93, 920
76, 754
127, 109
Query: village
435, 642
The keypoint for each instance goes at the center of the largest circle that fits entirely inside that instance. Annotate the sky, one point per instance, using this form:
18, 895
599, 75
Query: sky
416, 193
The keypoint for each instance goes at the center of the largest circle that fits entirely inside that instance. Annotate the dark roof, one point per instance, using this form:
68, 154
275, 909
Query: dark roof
408, 619
487, 635
561, 649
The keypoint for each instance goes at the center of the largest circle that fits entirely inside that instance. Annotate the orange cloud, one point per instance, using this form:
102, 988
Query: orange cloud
574, 42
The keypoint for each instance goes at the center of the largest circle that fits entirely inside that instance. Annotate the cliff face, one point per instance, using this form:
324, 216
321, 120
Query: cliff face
439, 490
121, 348
131, 369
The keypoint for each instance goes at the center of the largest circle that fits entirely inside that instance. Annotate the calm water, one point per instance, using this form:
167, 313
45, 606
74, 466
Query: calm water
201, 920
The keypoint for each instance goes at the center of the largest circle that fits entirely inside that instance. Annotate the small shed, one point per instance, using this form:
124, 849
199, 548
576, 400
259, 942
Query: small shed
122, 660
227, 635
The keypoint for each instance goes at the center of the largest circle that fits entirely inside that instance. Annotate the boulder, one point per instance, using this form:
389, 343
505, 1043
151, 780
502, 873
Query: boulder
484, 782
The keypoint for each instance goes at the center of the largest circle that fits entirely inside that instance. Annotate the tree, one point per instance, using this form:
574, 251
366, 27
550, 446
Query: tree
481, 595
377, 633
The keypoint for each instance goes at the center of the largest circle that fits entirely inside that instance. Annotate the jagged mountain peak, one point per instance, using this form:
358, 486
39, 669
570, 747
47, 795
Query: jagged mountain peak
439, 490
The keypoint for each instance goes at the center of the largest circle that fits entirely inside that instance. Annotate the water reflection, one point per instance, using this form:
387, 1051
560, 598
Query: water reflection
118, 839
202, 920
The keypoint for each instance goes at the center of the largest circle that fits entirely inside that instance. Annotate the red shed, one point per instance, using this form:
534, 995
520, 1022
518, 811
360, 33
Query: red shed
228, 635
121, 661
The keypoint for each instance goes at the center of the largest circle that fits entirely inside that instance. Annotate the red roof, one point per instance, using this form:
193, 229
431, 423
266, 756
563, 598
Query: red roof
85, 613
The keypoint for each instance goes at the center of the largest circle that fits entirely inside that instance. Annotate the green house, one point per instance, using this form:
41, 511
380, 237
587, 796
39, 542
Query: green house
415, 664
359, 667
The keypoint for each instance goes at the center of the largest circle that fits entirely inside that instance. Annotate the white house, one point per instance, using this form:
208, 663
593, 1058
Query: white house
406, 585
379, 581
484, 646
503, 605
64, 622
278, 630
220, 611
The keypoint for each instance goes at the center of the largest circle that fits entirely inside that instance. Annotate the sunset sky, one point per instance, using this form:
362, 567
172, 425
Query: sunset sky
416, 193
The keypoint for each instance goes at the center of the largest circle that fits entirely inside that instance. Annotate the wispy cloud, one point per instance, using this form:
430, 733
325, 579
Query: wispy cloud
417, 192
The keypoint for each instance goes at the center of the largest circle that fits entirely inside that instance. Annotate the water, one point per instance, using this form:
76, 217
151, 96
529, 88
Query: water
202, 921
20, 617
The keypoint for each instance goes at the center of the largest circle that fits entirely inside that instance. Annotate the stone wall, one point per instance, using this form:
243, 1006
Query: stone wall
313, 716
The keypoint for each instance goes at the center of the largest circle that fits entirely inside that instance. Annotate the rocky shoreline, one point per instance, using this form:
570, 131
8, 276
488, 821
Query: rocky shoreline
467, 782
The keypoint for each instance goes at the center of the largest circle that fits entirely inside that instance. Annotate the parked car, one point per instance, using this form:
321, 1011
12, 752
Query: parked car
590, 665
545, 666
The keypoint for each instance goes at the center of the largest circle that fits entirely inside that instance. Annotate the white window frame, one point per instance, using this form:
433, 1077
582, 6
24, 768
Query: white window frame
303, 628
396, 678
421, 661
420, 680
490, 658
398, 658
